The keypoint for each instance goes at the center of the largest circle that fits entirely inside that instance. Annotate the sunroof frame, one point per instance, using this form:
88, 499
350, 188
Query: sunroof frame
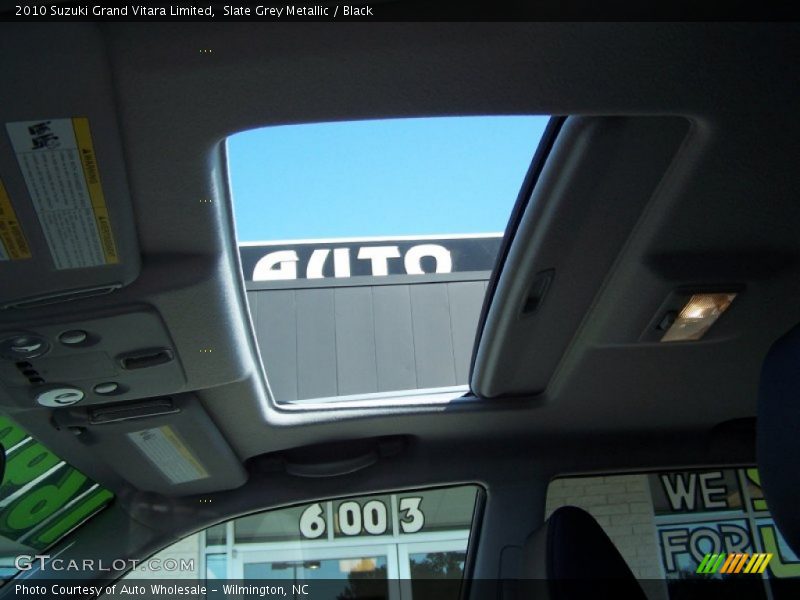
398, 397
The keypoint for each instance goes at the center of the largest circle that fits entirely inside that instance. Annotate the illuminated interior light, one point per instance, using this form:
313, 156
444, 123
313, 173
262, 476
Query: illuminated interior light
699, 314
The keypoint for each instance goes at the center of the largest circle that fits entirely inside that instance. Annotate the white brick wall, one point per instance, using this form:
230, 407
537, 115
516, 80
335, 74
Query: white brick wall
623, 507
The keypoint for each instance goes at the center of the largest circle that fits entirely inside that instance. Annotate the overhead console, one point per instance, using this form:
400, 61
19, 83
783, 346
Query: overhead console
107, 393
120, 356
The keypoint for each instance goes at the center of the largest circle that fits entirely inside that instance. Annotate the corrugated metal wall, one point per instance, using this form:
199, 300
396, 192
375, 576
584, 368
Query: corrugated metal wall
336, 341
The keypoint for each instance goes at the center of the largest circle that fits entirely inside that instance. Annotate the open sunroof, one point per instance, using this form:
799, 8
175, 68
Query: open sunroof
366, 248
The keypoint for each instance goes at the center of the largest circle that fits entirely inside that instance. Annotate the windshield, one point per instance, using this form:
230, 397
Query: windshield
42, 498
354, 547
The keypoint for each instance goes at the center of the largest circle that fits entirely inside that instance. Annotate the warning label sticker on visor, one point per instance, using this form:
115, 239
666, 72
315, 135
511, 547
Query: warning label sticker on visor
58, 162
13, 245
169, 454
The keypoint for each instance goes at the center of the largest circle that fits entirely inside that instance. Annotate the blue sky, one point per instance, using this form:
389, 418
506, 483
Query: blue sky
380, 178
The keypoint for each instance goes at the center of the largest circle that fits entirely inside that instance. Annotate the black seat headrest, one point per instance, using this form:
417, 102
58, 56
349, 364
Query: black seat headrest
570, 550
778, 434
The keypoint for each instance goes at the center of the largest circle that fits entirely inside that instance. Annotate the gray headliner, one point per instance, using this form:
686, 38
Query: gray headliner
611, 405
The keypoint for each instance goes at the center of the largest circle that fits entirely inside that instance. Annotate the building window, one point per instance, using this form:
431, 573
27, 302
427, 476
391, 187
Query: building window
393, 546
666, 524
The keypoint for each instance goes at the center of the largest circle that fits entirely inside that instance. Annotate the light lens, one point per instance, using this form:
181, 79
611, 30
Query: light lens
699, 314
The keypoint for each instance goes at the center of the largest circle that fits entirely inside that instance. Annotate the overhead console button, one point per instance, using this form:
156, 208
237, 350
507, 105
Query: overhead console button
143, 359
59, 396
73, 337
106, 388
124, 354
19, 346
26, 345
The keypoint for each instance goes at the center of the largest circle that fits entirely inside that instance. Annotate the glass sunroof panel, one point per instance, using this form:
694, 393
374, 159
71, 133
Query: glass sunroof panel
366, 248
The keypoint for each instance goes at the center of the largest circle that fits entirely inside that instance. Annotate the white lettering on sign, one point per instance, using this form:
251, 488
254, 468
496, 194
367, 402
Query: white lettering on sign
411, 517
315, 264
372, 518
350, 518
379, 256
312, 525
276, 265
341, 262
282, 264
413, 259
682, 490
375, 522
679, 492
708, 492
699, 539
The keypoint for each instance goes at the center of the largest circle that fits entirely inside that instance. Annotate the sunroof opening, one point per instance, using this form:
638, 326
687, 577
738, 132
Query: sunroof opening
367, 246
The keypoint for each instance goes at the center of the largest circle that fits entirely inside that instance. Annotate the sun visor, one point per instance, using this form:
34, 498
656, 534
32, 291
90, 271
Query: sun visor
167, 445
66, 222
595, 184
